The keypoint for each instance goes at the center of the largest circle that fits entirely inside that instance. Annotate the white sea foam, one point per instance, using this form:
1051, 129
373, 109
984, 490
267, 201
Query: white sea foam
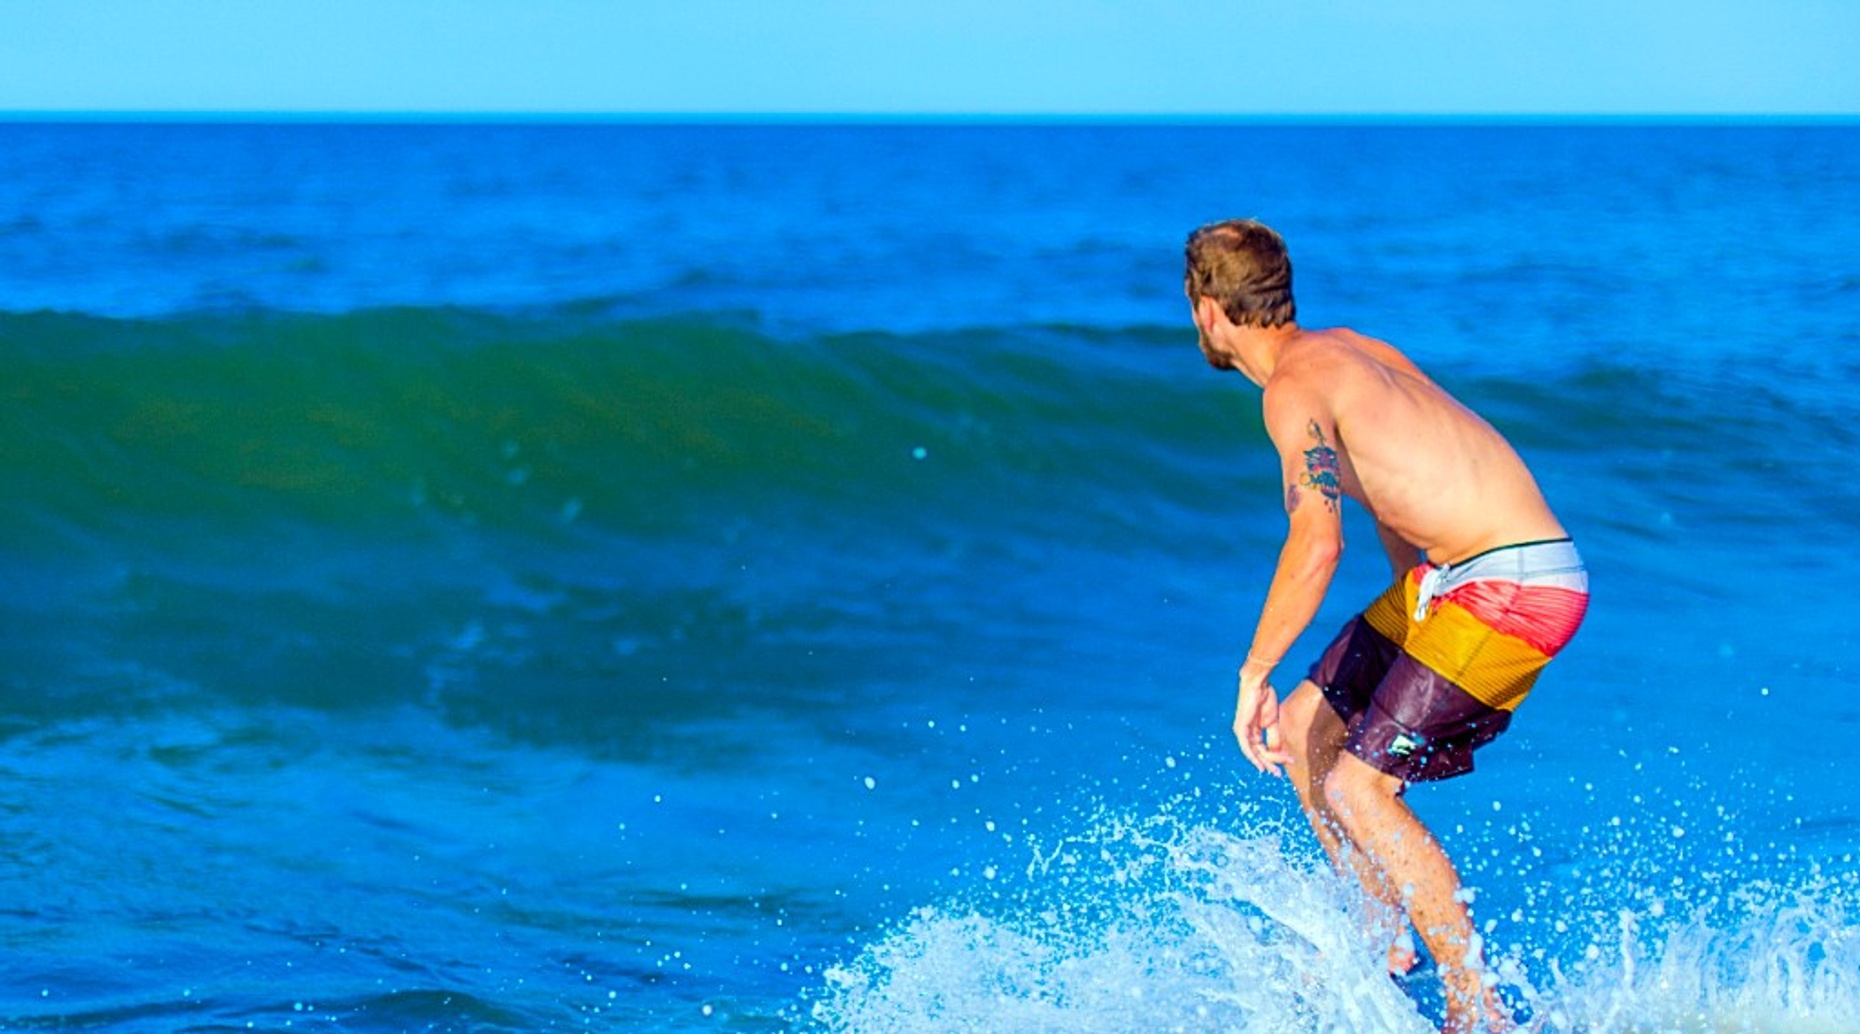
1136, 927
1162, 926
1772, 959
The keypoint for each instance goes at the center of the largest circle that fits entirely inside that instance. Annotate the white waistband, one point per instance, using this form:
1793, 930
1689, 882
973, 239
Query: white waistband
1555, 564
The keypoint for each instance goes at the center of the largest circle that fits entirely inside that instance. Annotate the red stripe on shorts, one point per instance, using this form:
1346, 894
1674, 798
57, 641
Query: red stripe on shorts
1544, 616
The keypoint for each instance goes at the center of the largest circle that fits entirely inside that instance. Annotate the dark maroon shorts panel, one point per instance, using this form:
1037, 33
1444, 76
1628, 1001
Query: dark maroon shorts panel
1404, 719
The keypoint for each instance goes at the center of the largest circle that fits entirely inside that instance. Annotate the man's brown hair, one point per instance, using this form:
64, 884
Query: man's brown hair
1243, 266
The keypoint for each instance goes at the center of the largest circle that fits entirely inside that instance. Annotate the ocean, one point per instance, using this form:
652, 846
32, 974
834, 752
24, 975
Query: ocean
789, 576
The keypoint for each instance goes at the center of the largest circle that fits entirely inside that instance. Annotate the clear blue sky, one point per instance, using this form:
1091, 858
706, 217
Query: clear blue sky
1121, 57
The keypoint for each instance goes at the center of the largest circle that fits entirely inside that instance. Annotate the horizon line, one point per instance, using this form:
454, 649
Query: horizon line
880, 118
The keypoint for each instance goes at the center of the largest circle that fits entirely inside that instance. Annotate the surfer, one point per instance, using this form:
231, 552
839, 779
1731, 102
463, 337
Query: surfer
1487, 587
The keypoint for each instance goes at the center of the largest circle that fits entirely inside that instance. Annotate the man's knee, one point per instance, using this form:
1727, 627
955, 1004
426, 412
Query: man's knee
1309, 727
1353, 785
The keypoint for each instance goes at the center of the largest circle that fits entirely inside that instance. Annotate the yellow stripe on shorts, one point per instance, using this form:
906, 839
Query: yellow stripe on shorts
1493, 668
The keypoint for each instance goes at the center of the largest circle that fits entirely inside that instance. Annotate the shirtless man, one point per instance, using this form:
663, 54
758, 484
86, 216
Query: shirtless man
1487, 587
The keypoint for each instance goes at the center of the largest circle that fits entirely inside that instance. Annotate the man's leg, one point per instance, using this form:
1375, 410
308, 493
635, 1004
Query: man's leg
1368, 805
1314, 735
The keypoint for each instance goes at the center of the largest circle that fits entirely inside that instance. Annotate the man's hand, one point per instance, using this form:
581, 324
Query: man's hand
1256, 724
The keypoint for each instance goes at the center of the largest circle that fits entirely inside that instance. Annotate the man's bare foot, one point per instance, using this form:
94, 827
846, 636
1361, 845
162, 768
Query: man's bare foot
1470, 1004
1499, 1016
1403, 956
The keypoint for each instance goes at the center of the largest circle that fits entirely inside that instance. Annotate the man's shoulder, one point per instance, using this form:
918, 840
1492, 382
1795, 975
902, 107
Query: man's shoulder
1333, 357
1315, 363
1296, 382
1299, 392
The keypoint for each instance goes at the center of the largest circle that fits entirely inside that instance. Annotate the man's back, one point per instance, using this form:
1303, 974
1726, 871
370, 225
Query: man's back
1428, 468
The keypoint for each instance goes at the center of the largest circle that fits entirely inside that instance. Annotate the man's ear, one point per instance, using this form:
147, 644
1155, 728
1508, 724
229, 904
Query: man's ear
1208, 313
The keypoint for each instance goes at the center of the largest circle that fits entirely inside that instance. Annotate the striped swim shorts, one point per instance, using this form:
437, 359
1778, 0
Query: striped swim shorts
1434, 668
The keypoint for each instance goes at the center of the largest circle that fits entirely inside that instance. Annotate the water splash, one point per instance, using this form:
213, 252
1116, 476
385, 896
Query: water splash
1770, 958
1164, 924
1151, 925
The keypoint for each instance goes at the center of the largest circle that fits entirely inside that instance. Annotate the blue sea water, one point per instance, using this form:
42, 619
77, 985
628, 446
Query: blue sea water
504, 577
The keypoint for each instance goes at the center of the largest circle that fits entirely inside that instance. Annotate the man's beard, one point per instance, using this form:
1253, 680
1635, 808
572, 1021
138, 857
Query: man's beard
1207, 353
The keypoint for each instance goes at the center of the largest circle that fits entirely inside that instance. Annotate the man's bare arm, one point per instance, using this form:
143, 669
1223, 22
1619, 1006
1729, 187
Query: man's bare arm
1307, 561
1313, 543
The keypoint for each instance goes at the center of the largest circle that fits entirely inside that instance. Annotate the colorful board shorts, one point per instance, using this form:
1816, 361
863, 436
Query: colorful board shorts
1434, 668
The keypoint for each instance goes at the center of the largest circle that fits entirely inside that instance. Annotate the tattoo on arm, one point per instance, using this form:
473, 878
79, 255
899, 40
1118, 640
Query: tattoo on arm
1322, 472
